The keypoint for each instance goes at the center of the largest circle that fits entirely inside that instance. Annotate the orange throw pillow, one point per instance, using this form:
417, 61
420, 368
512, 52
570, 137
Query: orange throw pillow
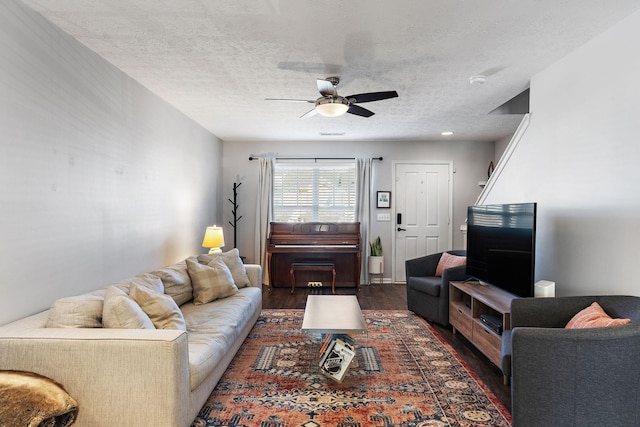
447, 261
594, 317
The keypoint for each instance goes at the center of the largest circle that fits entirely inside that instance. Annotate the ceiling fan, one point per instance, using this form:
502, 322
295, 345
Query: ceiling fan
330, 104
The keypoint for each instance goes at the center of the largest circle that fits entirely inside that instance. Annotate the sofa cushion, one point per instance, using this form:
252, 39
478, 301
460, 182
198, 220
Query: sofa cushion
429, 285
448, 261
213, 329
234, 262
176, 281
211, 281
82, 311
121, 312
594, 317
161, 309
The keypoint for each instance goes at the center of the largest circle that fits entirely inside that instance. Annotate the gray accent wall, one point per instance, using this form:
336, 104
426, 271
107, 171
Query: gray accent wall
580, 160
99, 178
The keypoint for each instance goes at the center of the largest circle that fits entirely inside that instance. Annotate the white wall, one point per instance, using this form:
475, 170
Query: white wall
501, 146
579, 159
99, 178
470, 160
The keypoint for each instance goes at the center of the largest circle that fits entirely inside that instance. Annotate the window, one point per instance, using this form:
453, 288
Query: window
306, 192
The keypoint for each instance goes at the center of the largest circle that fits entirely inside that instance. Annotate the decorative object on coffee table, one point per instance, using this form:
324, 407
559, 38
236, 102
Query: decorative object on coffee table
337, 353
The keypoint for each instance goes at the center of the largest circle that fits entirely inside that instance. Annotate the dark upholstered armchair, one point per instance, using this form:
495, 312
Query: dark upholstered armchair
427, 294
573, 377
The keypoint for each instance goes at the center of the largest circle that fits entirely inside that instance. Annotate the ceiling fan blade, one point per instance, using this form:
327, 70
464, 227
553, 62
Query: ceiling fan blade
372, 96
309, 113
290, 100
359, 111
326, 87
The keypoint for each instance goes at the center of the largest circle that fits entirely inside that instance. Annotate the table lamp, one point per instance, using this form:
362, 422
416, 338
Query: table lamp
213, 239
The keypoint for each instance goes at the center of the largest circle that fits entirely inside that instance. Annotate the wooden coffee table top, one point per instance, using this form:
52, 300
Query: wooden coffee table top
338, 314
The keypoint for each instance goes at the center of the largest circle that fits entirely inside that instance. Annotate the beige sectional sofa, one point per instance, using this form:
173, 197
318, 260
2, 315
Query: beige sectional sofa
139, 377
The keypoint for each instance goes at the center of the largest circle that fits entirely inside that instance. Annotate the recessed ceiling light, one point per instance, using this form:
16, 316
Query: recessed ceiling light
446, 133
477, 80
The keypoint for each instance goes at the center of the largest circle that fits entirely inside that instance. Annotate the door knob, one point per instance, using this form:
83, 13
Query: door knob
402, 229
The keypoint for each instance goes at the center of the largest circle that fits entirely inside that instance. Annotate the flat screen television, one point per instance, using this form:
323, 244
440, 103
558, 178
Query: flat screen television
501, 246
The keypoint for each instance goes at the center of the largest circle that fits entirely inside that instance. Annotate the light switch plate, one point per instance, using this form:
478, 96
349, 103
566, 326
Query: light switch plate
384, 217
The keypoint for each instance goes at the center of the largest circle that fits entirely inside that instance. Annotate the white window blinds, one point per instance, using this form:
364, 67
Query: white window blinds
305, 192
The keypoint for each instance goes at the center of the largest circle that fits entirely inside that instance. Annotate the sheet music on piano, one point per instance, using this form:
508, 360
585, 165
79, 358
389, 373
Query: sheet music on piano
338, 243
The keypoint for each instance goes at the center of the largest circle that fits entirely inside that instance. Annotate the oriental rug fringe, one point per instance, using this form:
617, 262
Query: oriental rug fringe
403, 374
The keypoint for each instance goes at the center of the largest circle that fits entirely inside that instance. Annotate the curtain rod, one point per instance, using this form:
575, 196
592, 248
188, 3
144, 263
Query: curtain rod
252, 157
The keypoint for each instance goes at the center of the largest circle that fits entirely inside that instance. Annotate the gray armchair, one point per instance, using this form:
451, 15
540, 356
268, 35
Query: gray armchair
573, 377
428, 295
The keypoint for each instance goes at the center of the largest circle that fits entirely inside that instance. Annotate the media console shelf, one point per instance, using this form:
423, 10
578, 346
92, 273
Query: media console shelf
468, 301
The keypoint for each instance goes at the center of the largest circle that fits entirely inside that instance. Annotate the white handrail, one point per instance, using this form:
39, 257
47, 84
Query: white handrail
504, 159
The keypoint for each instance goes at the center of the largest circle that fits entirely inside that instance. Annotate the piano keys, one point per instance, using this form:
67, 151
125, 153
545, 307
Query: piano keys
300, 242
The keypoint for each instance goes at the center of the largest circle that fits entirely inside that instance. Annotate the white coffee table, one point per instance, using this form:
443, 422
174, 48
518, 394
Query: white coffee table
339, 318
333, 314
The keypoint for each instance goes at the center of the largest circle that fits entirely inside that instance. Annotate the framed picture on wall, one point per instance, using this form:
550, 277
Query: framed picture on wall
383, 199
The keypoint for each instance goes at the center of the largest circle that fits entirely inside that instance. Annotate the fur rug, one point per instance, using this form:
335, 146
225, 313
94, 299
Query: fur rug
31, 400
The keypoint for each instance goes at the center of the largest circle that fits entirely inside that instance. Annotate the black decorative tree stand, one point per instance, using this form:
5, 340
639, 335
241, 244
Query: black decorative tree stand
234, 211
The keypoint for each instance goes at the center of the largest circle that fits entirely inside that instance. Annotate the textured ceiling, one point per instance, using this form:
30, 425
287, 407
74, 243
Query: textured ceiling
217, 60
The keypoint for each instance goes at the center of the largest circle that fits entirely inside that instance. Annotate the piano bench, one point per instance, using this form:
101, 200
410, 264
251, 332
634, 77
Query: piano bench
312, 266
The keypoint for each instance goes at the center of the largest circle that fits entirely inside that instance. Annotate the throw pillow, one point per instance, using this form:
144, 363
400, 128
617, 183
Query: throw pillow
447, 261
594, 317
211, 281
121, 312
177, 284
161, 309
234, 262
146, 279
82, 311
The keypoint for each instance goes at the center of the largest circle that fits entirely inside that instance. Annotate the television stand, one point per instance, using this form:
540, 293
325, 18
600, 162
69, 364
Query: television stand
469, 304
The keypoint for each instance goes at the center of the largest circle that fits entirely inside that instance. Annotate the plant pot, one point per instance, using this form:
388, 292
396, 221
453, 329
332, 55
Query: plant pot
376, 264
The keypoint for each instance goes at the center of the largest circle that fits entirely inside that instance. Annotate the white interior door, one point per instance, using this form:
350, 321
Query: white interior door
423, 205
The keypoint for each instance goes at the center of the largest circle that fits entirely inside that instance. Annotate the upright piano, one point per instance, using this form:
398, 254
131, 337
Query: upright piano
314, 242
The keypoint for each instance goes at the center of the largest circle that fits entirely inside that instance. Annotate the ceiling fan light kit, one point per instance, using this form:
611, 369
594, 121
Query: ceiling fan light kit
332, 106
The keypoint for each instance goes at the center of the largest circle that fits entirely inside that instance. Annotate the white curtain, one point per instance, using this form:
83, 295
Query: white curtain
363, 208
264, 214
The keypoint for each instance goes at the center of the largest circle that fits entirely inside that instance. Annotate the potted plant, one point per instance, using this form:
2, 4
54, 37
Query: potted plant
376, 260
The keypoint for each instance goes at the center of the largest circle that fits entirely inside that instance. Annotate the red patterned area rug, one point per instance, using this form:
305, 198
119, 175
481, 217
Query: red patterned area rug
403, 374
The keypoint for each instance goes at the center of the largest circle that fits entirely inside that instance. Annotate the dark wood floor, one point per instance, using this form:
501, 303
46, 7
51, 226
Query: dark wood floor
394, 297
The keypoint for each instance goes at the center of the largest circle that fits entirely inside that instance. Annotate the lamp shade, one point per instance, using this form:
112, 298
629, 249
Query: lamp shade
213, 238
